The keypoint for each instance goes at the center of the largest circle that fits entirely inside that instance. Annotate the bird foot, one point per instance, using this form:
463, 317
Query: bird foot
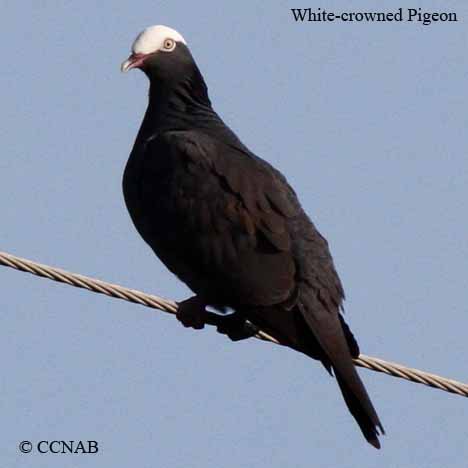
236, 327
191, 313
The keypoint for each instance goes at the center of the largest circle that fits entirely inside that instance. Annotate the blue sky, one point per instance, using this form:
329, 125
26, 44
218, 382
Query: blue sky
367, 121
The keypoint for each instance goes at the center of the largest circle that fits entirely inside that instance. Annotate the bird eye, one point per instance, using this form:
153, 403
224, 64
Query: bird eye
169, 45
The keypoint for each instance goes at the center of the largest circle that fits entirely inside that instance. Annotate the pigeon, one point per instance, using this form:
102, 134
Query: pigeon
228, 224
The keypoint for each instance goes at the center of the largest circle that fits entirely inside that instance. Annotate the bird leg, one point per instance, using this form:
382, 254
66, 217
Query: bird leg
192, 313
236, 327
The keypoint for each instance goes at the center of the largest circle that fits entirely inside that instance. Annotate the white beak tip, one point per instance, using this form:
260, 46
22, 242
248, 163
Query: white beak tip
125, 66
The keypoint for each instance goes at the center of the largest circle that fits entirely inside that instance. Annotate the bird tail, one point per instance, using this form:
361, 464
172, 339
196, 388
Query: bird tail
324, 335
366, 417
337, 347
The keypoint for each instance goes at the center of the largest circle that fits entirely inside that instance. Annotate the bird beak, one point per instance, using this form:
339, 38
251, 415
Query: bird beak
134, 61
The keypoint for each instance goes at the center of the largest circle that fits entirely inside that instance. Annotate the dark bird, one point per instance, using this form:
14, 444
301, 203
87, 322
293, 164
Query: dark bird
229, 225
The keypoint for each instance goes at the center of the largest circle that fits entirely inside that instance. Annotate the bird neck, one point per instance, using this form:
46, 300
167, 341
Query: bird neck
176, 104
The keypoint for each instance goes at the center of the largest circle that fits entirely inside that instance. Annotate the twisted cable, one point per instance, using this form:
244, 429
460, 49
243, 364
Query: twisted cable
155, 302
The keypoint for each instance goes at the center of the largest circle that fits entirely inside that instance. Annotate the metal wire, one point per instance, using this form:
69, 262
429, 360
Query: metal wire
155, 302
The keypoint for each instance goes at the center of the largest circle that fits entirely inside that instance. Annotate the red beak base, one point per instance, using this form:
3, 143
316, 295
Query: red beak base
134, 61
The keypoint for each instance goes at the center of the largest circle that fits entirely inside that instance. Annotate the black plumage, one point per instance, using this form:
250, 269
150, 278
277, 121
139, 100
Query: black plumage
229, 225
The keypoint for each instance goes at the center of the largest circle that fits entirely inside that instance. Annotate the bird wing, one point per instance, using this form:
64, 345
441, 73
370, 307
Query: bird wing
231, 215
246, 226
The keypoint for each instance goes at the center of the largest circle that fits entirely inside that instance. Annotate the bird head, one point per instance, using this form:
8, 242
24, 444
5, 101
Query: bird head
159, 51
175, 80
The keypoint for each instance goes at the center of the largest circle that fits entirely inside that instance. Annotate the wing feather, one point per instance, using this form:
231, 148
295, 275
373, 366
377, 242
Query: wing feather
223, 208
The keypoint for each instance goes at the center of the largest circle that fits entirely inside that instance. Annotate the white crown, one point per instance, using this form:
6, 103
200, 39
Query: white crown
152, 39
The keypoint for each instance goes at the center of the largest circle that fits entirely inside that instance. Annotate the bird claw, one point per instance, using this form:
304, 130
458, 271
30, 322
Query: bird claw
236, 327
191, 313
